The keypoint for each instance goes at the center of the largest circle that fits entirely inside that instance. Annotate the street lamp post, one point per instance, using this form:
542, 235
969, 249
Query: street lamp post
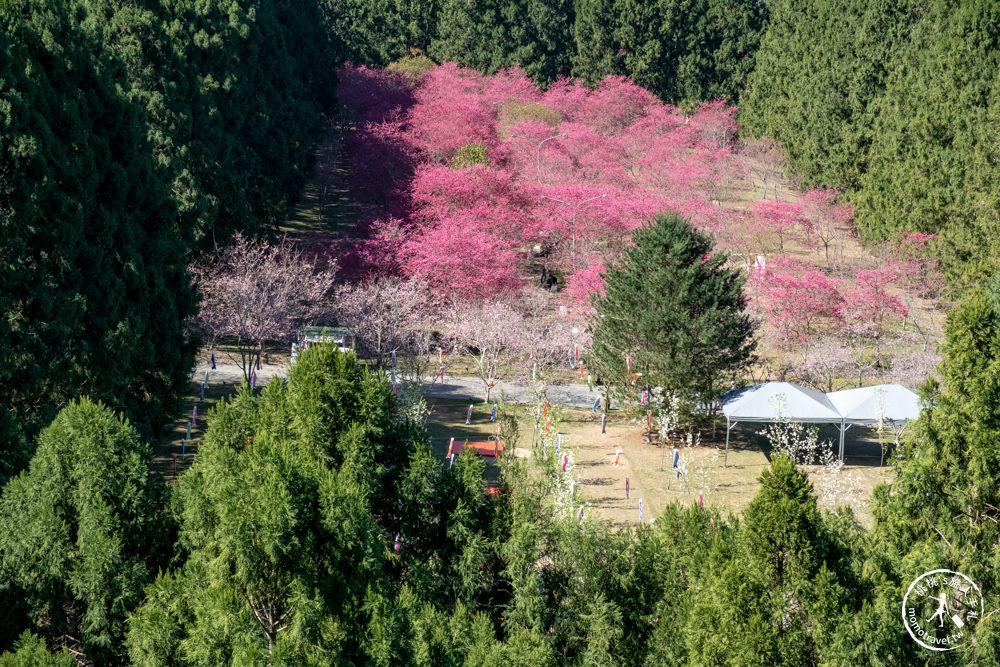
573, 218
538, 151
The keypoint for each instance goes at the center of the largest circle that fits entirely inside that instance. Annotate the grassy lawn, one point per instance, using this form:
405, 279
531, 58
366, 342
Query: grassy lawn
729, 486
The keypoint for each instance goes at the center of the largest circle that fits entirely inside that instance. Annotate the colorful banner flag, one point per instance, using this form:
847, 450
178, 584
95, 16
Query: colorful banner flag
441, 370
565, 461
194, 416
253, 380
399, 543
701, 500
677, 458
213, 361
604, 424
579, 514
649, 419
548, 423
440, 356
627, 487
618, 455
493, 414
558, 442
628, 364
395, 388
640, 509
183, 446
451, 460
189, 430
534, 371
468, 415
597, 404
576, 352
202, 397
394, 360
451, 445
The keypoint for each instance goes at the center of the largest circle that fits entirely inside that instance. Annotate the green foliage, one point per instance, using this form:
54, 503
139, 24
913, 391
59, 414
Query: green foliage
415, 65
30, 651
489, 35
932, 164
769, 594
680, 50
470, 155
80, 529
675, 309
95, 289
819, 68
516, 111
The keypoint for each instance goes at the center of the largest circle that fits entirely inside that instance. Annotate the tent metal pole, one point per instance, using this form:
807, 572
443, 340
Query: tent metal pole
842, 430
725, 459
729, 427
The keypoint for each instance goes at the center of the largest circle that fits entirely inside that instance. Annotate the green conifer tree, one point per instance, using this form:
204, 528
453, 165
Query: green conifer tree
676, 310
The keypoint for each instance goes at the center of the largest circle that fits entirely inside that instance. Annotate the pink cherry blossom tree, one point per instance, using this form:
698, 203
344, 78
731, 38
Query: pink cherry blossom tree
492, 334
828, 220
796, 299
871, 311
777, 219
254, 292
827, 359
383, 313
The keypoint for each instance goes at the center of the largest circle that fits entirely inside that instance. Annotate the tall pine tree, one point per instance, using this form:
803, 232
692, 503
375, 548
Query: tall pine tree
676, 310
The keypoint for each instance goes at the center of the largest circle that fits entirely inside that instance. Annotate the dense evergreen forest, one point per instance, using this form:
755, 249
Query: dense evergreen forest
315, 527
130, 135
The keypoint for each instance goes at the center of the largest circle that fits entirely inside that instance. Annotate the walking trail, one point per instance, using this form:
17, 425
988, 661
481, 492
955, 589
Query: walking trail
568, 395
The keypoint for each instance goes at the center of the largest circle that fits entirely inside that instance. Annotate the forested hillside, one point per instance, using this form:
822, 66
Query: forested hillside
131, 134
894, 102
688, 171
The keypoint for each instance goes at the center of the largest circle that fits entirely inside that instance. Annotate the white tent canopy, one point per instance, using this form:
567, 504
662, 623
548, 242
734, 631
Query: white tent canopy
863, 405
777, 401
783, 401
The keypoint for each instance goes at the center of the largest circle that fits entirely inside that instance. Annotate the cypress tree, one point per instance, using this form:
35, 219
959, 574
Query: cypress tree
676, 309
80, 530
94, 273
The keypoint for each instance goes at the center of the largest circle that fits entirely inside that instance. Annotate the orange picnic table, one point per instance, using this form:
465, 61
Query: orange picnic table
491, 449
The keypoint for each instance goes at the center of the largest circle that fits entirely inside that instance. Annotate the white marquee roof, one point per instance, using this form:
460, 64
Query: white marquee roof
863, 405
774, 401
